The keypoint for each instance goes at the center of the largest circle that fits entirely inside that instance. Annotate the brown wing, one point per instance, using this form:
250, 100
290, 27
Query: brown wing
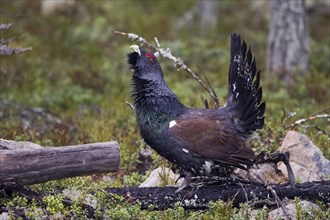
212, 138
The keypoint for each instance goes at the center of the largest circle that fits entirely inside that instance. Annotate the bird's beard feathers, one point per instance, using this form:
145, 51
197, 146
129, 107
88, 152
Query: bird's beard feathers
131, 59
154, 102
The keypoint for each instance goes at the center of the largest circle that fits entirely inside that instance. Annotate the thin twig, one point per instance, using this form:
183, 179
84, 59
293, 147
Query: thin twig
8, 50
157, 42
131, 106
273, 192
278, 200
303, 120
245, 194
283, 116
206, 103
319, 112
167, 54
209, 84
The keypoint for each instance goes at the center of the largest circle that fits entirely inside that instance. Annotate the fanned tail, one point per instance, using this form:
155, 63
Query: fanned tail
244, 92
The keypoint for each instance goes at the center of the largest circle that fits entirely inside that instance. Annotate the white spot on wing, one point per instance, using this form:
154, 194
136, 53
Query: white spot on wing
172, 123
185, 150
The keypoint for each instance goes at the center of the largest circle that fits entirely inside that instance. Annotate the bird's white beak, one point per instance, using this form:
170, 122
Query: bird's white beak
136, 48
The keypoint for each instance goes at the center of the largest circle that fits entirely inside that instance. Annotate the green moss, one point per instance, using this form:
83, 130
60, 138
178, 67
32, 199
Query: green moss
54, 204
221, 210
261, 214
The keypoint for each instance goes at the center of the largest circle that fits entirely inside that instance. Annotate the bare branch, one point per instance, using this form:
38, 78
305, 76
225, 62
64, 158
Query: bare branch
303, 120
7, 50
157, 42
167, 54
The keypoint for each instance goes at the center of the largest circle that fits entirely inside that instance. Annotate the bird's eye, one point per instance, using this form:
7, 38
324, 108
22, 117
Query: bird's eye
150, 56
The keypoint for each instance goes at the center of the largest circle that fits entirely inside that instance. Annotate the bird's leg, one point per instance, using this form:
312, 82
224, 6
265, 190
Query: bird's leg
186, 183
275, 158
179, 177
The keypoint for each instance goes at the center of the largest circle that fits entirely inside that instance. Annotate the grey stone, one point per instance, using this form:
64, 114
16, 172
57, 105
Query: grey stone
291, 212
263, 173
306, 159
156, 178
4, 216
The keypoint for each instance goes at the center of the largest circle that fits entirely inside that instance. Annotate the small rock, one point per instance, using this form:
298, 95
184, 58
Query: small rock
306, 159
264, 173
156, 178
4, 216
18, 145
291, 210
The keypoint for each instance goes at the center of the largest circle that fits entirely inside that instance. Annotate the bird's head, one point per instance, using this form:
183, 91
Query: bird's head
144, 64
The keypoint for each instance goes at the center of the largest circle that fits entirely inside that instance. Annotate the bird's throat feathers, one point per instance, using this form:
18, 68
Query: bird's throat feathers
155, 103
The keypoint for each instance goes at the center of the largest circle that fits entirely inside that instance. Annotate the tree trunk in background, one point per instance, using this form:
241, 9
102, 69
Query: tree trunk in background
208, 15
288, 41
204, 12
49, 7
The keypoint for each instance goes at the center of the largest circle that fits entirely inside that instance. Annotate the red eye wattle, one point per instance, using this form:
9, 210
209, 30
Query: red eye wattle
150, 56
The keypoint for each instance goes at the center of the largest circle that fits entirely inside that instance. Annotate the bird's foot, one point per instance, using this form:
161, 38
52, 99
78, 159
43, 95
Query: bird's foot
190, 193
185, 183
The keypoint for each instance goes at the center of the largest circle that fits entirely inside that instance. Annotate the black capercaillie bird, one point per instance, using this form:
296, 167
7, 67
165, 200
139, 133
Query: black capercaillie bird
199, 141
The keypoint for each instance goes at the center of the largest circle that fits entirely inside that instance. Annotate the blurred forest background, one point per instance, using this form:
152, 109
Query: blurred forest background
72, 86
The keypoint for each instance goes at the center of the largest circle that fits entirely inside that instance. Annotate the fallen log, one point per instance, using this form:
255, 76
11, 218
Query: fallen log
41, 164
160, 198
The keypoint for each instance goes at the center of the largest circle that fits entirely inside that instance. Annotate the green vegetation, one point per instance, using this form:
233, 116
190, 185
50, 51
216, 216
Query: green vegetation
77, 72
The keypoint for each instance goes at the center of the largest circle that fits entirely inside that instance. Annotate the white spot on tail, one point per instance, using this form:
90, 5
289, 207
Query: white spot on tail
208, 165
185, 150
234, 87
172, 123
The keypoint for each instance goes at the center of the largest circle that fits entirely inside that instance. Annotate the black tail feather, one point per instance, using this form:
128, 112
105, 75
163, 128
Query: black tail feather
244, 94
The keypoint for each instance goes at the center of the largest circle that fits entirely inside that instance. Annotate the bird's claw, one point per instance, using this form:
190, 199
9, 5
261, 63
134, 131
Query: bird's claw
187, 183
